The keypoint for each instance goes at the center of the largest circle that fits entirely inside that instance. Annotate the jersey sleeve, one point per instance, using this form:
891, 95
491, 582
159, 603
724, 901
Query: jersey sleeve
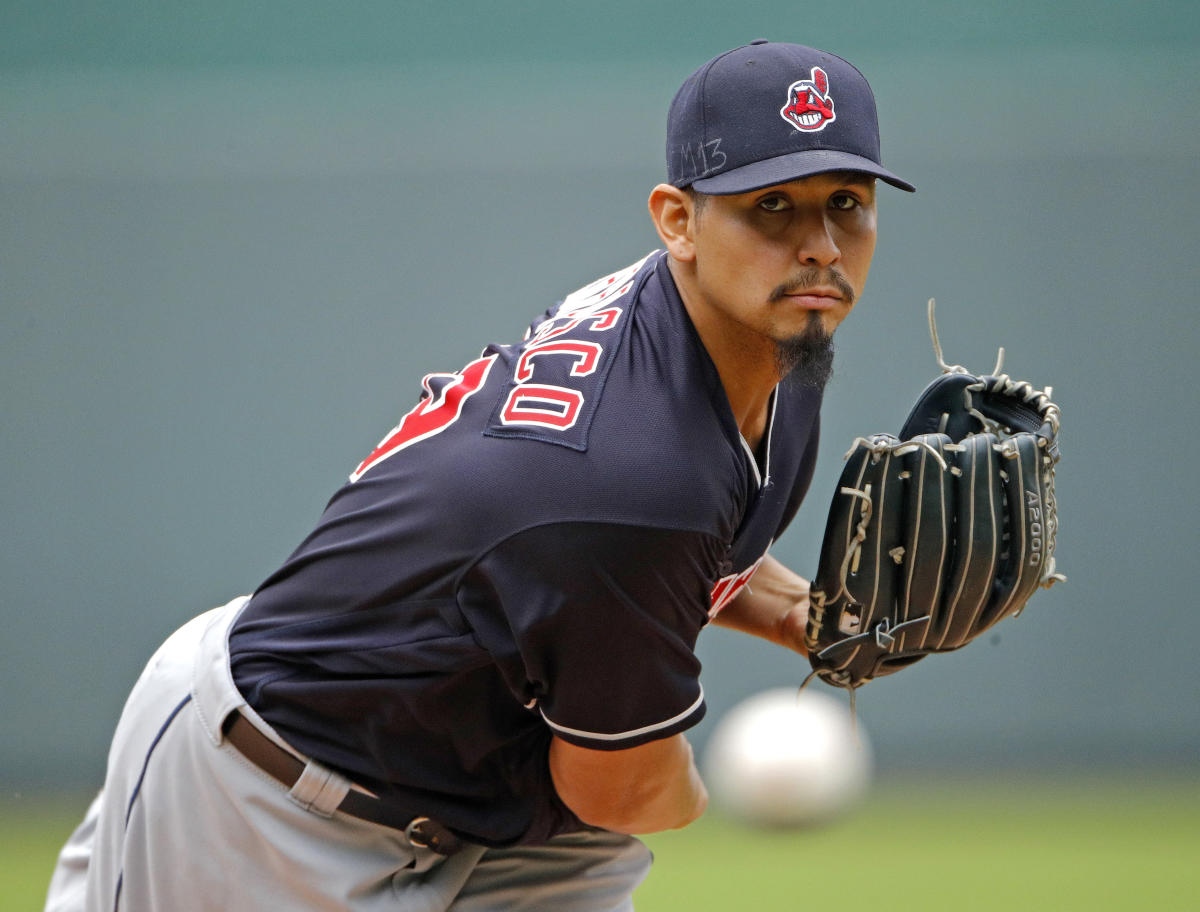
594, 626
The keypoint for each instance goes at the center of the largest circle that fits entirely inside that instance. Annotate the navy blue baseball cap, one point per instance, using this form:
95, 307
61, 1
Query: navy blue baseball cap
768, 113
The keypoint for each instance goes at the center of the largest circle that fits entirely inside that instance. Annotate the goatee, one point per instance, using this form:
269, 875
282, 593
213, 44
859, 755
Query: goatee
806, 359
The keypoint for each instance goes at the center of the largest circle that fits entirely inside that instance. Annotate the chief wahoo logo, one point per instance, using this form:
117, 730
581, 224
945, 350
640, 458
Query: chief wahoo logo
809, 106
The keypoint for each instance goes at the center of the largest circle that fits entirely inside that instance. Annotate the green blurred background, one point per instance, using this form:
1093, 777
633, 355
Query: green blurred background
233, 237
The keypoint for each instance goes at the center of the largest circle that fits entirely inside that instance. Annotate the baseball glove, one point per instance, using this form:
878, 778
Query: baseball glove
937, 534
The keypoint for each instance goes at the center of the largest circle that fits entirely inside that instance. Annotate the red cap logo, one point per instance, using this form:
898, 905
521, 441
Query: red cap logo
809, 107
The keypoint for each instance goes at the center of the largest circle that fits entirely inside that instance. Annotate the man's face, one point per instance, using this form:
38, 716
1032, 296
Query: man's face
771, 262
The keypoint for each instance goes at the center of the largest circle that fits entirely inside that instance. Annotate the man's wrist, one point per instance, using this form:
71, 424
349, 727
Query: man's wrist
792, 626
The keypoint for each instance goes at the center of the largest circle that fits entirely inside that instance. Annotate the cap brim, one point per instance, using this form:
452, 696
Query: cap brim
794, 166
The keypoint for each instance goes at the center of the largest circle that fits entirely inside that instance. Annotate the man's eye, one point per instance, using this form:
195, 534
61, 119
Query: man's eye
774, 204
843, 201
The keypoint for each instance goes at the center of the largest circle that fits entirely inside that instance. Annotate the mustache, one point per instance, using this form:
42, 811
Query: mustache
812, 277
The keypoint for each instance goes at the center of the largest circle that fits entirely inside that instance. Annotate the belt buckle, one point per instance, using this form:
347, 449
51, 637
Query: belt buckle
429, 834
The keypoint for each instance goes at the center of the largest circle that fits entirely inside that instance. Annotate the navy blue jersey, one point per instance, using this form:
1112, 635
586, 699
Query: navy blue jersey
533, 550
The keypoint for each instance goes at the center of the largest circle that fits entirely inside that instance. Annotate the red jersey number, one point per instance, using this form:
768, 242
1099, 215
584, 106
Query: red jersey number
438, 409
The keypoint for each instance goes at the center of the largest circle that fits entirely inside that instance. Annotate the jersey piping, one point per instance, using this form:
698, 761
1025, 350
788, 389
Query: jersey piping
633, 733
762, 476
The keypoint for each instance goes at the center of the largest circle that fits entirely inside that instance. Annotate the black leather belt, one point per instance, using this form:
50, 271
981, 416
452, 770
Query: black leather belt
283, 766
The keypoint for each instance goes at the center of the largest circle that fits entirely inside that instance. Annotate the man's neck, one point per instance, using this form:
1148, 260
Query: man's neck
745, 362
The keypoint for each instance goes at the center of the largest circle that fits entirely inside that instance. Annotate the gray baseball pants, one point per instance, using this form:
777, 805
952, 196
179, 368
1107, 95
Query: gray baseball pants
186, 823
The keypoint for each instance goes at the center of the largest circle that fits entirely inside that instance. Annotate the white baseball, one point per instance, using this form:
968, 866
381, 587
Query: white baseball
787, 758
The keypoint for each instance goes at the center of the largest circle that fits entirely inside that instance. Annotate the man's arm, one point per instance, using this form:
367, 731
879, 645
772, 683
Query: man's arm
774, 606
642, 789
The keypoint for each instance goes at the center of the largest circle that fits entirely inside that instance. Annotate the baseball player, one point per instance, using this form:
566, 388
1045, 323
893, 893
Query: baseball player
469, 685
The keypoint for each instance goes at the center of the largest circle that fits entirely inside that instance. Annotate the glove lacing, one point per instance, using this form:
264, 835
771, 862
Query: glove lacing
1041, 403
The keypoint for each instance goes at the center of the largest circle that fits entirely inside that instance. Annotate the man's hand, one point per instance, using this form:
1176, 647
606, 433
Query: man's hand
642, 789
773, 606
938, 533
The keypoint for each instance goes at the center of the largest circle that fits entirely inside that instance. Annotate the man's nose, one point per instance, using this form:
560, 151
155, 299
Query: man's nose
815, 245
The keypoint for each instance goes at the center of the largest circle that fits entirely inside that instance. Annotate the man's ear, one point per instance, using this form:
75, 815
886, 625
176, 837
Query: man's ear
673, 213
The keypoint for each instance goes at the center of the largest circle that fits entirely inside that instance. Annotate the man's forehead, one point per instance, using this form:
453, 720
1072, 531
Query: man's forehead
822, 181
829, 177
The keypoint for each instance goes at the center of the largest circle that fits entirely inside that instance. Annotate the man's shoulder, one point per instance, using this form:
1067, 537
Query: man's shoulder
606, 407
617, 376
553, 382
